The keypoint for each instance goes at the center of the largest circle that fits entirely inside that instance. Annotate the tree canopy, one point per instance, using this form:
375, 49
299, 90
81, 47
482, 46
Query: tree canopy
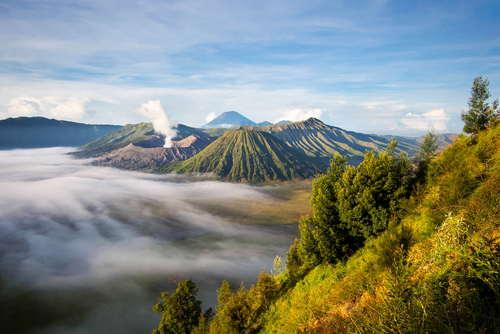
350, 204
480, 114
181, 311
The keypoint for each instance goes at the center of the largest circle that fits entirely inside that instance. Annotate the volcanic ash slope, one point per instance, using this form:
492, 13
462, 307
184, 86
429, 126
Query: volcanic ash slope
149, 154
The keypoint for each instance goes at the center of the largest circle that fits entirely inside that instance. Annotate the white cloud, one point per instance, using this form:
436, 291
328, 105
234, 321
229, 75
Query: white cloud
298, 114
390, 105
436, 119
72, 108
23, 106
210, 117
48, 106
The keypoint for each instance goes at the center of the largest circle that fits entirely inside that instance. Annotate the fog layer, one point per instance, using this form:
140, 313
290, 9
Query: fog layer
88, 249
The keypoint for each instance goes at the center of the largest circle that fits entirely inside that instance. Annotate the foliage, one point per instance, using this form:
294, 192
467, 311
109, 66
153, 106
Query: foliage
278, 267
352, 204
480, 114
181, 311
427, 153
434, 270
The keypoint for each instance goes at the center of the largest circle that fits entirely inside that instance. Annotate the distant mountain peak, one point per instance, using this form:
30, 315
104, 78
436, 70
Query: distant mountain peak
228, 119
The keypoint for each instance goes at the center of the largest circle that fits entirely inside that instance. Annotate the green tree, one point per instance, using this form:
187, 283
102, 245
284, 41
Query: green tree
266, 288
181, 311
480, 114
352, 204
204, 322
423, 159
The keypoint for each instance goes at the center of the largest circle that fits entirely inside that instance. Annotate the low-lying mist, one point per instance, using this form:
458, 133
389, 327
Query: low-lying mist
88, 249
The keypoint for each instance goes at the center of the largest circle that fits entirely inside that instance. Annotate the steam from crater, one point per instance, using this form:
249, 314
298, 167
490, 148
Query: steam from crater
161, 121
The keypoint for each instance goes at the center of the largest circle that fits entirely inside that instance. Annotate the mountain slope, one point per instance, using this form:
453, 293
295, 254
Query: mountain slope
149, 154
228, 119
316, 139
245, 155
36, 132
130, 133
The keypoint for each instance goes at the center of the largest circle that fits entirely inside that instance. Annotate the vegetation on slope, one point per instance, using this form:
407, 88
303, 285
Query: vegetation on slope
250, 156
324, 142
435, 269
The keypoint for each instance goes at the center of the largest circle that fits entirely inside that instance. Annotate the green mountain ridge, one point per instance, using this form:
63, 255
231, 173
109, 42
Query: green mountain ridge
249, 156
316, 139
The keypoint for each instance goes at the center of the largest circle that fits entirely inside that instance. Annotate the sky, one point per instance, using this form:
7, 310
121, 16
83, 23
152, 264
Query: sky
384, 67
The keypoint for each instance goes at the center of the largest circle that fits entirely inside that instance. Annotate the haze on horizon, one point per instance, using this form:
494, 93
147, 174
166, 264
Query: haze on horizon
397, 67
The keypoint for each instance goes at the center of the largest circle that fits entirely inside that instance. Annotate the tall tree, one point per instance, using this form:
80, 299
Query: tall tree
480, 114
181, 311
352, 204
428, 149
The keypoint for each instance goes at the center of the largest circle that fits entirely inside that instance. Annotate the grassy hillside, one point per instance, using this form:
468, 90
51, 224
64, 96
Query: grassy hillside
130, 133
35, 132
249, 156
435, 269
447, 280
322, 141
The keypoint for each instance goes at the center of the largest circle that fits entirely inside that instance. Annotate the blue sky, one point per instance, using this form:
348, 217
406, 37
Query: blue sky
385, 67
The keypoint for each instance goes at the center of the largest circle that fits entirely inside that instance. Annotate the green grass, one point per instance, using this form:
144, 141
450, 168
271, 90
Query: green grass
435, 271
448, 281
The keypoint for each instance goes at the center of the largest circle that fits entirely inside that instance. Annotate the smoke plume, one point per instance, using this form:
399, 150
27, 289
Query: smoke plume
161, 121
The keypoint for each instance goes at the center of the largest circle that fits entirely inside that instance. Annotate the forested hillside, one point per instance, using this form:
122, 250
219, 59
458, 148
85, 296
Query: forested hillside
389, 249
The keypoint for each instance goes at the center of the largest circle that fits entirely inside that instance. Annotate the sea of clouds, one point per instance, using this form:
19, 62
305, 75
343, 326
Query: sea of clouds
87, 249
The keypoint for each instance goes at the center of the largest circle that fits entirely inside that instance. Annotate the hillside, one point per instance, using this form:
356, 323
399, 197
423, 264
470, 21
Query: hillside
129, 134
37, 132
147, 155
323, 142
249, 156
434, 268
228, 119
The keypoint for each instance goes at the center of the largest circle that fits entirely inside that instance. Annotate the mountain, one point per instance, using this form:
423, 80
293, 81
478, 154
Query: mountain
130, 133
265, 123
149, 154
316, 139
443, 140
37, 132
249, 156
228, 119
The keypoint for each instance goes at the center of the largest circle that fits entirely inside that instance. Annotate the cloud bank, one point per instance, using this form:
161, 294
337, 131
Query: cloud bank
91, 247
71, 108
298, 114
436, 119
